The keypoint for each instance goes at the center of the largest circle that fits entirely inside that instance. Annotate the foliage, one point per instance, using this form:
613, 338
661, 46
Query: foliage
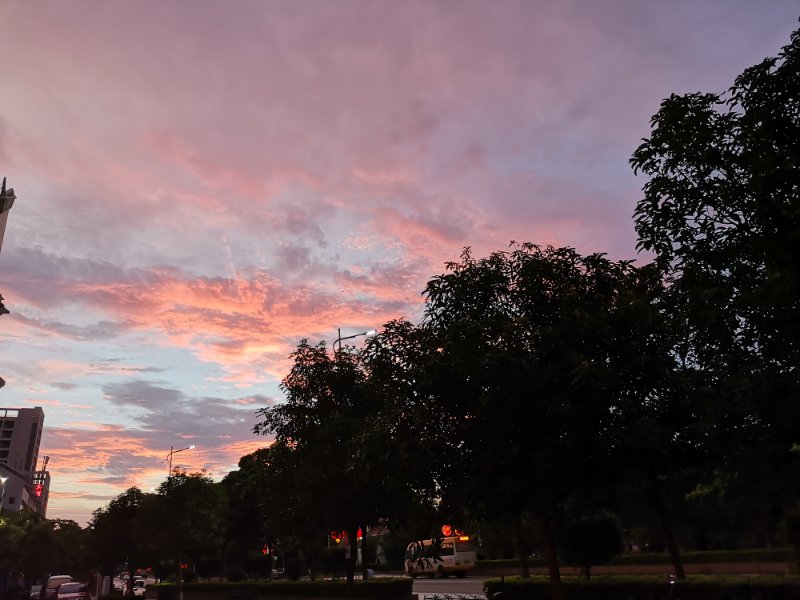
592, 539
759, 555
721, 212
34, 546
114, 540
295, 568
792, 532
542, 356
334, 562
334, 443
379, 588
189, 513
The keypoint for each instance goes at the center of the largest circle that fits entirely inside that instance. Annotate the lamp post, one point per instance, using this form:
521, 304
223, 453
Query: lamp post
179, 573
339, 339
173, 451
3, 493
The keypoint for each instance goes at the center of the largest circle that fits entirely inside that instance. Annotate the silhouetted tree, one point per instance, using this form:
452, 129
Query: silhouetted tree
721, 212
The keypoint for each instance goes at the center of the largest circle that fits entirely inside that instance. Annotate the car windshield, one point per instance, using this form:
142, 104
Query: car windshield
71, 588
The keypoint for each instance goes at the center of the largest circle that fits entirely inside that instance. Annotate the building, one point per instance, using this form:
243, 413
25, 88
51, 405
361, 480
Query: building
20, 435
7, 198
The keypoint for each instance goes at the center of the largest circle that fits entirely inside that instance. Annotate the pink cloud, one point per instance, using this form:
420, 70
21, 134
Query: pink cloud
203, 192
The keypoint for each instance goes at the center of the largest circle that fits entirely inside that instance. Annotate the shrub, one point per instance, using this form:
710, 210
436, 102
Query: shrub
295, 568
791, 526
334, 561
235, 575
388, 589
651, 588
593, 540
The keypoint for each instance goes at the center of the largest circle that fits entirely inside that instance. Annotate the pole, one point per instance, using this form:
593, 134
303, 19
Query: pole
339, 338
179, 571
3, 493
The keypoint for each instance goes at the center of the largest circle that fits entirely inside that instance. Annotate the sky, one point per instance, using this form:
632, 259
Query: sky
202, 184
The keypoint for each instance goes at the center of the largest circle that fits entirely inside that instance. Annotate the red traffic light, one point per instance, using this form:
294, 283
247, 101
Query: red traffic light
265, 550
337, 536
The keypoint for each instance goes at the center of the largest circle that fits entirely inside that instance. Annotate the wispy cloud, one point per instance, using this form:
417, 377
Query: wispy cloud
197, 196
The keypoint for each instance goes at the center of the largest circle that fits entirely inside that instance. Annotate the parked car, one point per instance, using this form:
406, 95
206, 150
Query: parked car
36, 591
138, 586
74, 590
52, 585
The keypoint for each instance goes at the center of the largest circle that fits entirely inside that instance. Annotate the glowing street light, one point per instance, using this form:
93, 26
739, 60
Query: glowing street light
339, 339
173, 451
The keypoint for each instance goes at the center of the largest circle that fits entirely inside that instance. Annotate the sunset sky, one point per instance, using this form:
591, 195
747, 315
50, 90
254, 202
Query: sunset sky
202, 184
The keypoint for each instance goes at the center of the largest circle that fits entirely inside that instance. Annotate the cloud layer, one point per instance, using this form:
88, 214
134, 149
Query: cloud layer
200, 188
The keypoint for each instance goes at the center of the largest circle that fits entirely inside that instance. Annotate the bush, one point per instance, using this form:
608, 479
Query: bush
388, 589
258, 566
334, 561
592, 540
651, 588
236, 575
209, 567
645, 558
295, 568
791, 526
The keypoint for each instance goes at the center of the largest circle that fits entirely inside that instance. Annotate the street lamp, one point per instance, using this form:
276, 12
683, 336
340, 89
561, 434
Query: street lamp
3, 493
179, 574
173, 451
339, 339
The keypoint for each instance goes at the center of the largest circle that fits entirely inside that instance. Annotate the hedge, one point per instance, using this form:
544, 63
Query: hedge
651, 588
395, 587
759, 555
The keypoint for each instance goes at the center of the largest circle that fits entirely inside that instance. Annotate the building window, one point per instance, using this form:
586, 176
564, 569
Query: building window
11, 499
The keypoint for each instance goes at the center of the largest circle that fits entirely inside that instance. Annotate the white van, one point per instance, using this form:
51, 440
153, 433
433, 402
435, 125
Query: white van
52, 585
456, 555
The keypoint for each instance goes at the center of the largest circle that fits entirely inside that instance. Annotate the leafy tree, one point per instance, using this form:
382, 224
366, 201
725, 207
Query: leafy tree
71, 551
592, 539
345, 441
721, 212
534, 367
188, 501
262, 504
113, 539
323, 424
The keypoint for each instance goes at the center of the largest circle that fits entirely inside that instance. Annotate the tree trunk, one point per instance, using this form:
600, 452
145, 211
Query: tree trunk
364, 564
556, 592
351, 562
522, 550
669, 536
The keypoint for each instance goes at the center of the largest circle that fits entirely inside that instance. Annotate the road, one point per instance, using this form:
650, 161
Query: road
452, 585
